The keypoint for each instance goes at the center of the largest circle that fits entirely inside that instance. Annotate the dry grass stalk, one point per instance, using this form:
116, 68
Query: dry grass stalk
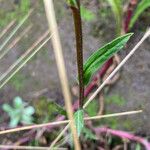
7, 28
49, 8
28, 147
59, 136
24, 62
15, 41
28, 51
33, 127
101, 103
67, 121
15, 30
113, 115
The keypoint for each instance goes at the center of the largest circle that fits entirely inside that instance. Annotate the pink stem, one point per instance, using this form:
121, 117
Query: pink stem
123, 134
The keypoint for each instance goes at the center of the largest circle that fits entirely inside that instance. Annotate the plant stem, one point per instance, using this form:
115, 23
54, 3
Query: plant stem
128, 17
123, 135
79, 49
50, 13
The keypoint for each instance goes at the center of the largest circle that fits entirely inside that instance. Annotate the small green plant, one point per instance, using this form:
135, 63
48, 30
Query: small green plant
20, 112
93, 63
46, 109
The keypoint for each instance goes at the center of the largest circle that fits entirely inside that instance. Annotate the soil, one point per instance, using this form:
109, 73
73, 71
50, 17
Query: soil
40, 74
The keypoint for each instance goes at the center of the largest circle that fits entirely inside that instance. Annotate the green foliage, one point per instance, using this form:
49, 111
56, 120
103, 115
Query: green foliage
142, 6
79, 121
98, 58
72, 3
116, 6
46, 109
19, 113
92, 108
86, 14
59, 109
17, 13
88, 134
115, 99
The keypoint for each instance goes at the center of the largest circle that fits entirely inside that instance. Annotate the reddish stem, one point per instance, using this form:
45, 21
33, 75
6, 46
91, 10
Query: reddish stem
93, 83
123, 135
128, 17
79, 49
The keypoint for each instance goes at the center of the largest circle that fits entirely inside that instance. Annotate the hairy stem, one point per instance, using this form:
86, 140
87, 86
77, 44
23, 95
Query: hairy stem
79, 48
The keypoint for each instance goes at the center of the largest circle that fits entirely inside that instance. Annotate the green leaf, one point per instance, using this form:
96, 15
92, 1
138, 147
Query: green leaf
29, 110
18, 102
89, 134
116, 6
14, 121
87, 14
98, 58
20, 113
79, 121
59, 109
7, 108
142, 6
26, 119
72, 3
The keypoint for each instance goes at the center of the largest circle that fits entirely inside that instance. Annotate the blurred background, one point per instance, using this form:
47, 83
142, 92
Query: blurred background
37, 83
